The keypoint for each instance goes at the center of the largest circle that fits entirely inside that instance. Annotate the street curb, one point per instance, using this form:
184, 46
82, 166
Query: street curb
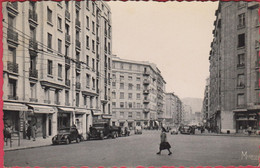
228, 135
22, 148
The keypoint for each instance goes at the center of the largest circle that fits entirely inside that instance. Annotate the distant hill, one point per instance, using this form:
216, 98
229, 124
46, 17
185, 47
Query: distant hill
195, 103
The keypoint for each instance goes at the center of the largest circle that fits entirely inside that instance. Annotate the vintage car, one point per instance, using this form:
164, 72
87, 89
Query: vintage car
102, 130
138, 130
187, 130
174, 131
66, 135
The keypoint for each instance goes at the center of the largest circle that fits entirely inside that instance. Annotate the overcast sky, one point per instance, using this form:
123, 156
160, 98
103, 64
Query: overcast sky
176, 36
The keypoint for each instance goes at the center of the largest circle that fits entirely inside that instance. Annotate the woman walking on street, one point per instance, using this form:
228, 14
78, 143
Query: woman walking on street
164, 143
34, 129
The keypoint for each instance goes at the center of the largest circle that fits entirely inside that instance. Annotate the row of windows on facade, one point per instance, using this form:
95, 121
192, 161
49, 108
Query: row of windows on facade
33, 96
130, 95
50, 19
127, 105
129, 115
50, 72
59, 42
241, 99
122, 77
127, 66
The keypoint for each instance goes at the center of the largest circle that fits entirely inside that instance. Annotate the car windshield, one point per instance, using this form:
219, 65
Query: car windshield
98, 125
186, 127
64, 130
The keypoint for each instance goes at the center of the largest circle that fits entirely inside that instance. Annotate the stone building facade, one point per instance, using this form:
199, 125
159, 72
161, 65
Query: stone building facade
56, 58
137, 93
234, 68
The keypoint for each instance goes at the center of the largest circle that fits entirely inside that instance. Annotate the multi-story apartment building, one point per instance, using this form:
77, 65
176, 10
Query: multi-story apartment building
136, 88
187, 112
56, 58
205, 105
171, 108
234, 67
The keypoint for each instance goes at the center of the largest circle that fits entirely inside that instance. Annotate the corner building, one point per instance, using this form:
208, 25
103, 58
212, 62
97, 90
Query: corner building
137, 94
56, 58
234, 68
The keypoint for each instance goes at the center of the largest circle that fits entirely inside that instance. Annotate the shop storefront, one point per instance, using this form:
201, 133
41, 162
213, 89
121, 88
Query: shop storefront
81, 120
40, 115
246, 121
14, 116
64, 117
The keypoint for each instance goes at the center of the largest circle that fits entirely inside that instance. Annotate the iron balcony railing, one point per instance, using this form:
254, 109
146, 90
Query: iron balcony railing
67, 60
67, 14
67, 82
33, 73
78, 44
78, 85
33, 15
77, 22
33, 44
12, 35
12, 67
67, 38
13, 5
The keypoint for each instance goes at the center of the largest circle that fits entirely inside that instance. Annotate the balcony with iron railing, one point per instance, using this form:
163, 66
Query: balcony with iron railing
33, 44
67, 38
77, 3
12, 97
78, 64
67, 14
33, 100
67, 82
12, 7
78, 85
67, 61
33, 15
146, 82
146, 100
146, 73
241, 65
146, 110
12, 35
77, 23
78, 44
146, 91
12, 67
33, 73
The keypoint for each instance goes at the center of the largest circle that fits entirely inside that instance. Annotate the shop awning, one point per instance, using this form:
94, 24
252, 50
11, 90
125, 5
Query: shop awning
15, 106
65, 110
96, 112
107, 116
82, 111
42, 109
240, 110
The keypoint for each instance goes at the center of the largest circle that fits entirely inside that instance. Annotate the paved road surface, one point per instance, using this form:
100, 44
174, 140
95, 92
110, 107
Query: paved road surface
140, 150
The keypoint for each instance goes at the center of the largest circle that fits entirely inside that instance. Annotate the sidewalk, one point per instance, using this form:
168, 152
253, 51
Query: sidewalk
25, 144
222, 134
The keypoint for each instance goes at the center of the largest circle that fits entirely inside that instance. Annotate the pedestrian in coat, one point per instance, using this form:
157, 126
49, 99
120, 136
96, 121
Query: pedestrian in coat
164, 143
34, 129
29, 131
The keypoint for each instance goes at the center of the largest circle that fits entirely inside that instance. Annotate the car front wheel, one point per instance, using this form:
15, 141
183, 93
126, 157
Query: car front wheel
67, 141
78, 140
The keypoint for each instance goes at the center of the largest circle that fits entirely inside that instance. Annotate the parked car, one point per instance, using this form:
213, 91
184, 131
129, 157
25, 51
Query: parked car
101, 130
66, 135
174, 131
138, 130
185, 130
